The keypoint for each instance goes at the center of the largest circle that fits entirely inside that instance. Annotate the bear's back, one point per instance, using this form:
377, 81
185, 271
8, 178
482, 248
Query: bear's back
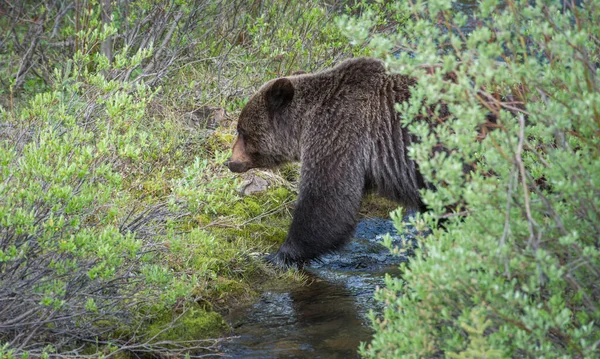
367, 76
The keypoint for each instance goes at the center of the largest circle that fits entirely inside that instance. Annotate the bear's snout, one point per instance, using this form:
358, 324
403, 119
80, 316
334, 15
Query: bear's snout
235, 166
239, 160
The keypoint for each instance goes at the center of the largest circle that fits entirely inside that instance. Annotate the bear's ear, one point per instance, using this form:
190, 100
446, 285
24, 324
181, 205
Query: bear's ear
280, 94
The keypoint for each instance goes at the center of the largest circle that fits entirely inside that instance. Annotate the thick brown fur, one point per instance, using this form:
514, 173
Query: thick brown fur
342, 125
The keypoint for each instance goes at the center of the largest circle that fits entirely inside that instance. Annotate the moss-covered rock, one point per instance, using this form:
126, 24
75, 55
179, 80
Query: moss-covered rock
192, 324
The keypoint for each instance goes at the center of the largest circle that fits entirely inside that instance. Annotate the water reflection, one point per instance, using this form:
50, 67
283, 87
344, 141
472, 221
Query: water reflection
317, 321
320, 320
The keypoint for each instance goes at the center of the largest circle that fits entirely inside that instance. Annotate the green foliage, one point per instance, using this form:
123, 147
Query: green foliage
115, 209
6, 352
514, 272
70, 223
261, 40
190, 325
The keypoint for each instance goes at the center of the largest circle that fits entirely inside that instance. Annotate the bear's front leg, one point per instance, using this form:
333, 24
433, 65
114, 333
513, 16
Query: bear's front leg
325, 213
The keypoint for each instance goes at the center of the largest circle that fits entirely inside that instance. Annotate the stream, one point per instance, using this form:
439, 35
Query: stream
329, 317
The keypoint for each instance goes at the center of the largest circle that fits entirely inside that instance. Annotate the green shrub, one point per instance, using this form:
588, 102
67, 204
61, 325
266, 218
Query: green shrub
515, 272
116, 214
72, 237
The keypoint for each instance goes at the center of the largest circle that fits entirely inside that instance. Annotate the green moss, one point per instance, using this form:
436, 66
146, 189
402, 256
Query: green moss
259, 204
274, 232
223, 137
223, 249
281, 194
94, 350
259, 234
204, 219
194, 324
290, 172
227, 287
218, 141
376, 206
249, 207
261, 219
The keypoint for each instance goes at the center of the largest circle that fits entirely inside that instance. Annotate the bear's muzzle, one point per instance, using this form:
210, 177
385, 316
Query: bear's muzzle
236, 166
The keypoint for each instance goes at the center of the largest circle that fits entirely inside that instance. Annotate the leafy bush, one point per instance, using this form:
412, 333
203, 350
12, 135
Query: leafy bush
119, 226
515, 272
72, 239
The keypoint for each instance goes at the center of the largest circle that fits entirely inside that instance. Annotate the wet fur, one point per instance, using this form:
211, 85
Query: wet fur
342, 125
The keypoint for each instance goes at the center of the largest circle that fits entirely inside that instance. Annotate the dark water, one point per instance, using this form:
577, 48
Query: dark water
328, 318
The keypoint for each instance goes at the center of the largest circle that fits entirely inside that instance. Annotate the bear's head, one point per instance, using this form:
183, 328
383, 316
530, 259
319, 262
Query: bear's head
264, 139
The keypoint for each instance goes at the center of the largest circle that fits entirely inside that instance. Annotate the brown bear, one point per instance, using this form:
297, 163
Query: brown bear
341, 124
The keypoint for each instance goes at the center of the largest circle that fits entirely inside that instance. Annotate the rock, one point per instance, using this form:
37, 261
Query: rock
253, 184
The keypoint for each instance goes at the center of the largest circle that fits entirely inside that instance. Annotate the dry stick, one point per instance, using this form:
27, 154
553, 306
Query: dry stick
9, 323
531, 222
155, 336
57, 20
505, 104
455, 214
550, 208
507, 218
164, 43
106, 46
26, 65
37, 327
130, 38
